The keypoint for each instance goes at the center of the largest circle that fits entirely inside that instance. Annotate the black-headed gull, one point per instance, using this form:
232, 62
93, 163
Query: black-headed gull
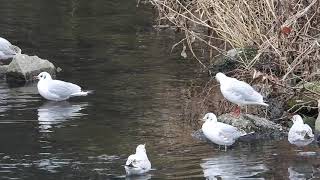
56, 90
239, 92
138, 163
218, 132
300, 134
7, 50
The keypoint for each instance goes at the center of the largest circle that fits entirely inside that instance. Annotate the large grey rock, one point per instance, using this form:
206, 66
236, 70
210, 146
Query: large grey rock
261, 127
257, 128
23, 68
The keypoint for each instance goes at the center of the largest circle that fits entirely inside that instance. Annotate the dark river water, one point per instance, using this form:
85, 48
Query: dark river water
110, 46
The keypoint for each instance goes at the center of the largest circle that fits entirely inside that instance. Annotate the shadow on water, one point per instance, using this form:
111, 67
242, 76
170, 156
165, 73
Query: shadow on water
109, 47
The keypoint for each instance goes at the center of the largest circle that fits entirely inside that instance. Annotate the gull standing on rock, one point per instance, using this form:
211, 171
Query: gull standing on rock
238, 92
218, 132
300, 133
56, 90
138, 163
7, 50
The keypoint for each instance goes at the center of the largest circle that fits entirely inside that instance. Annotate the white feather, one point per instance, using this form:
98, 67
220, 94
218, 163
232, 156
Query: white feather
299, 131
218, 132
7, 50
138, 163
239, 92
57, 90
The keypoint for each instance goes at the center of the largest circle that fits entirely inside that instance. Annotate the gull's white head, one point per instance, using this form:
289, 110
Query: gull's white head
210, 117
220, 76
141, 148
44, 76
297, 119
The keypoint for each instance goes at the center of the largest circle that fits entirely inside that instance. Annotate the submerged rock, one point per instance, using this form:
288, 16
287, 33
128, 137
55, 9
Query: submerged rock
255, 127
262, 127
23, 68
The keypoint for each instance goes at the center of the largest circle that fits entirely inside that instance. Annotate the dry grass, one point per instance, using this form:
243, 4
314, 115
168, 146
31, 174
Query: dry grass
286, 30
286, 34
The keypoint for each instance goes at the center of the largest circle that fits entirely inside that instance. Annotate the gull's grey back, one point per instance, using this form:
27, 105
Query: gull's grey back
63, 89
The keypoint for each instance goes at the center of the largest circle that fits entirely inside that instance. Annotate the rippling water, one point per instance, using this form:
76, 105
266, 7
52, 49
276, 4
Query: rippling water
110, 47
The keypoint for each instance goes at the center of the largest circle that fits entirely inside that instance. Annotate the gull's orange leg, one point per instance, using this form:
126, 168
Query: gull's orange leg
237, 112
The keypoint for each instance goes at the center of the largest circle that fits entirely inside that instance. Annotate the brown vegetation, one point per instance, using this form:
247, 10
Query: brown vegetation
284, 33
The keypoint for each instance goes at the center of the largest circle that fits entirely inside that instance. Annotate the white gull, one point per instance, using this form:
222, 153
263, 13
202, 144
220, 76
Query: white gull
56, 90
239, 92
300, 134
7, 50
138, 163
218, 132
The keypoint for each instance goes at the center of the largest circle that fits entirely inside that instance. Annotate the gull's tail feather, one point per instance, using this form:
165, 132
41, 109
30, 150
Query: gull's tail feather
247, 136
309, 131
130, 165
244, 133
82, 93
263, 104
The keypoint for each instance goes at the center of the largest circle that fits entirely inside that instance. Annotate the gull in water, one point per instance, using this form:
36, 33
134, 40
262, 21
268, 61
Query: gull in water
56, 90
300, 134
218, 132
138, 163
238, 92
7, 50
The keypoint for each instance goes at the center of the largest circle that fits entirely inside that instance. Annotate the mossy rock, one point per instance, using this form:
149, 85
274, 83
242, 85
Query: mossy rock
313, 86
262, 127
309, 120
232, 60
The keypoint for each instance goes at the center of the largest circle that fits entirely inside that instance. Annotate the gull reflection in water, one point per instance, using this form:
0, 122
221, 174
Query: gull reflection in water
53, 113
231, 167
302, 171
139, 177
301, 143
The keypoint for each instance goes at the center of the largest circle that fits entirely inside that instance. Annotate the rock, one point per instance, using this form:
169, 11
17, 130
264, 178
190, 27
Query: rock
313, 86
3, 70
234, 53
23, 68
231, 59
310, 121
261, 127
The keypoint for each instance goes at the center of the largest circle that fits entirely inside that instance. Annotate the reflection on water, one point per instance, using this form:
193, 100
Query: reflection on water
141, 177
51, 164
53, 113
304, 142
302, 171
231, 167
16, 98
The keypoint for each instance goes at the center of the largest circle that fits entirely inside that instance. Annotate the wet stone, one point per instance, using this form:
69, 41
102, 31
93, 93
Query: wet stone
261, 127
256, 127
23, 68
